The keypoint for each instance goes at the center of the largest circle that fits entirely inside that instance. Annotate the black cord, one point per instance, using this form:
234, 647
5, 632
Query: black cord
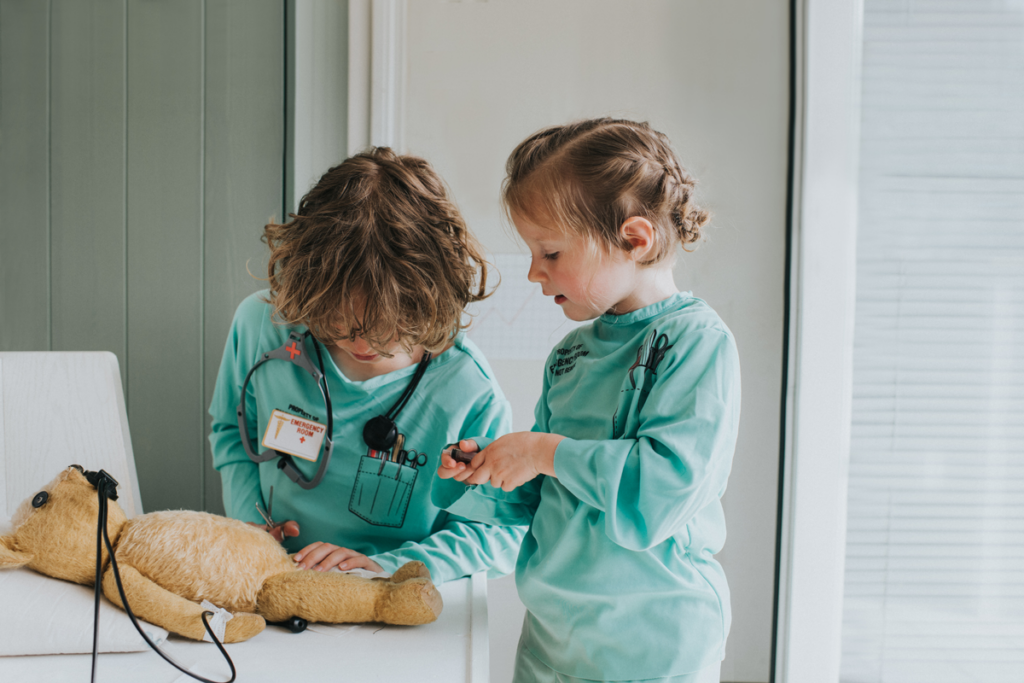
410, 388
326, 389
99, 578
102, 535
787, 289
320, 361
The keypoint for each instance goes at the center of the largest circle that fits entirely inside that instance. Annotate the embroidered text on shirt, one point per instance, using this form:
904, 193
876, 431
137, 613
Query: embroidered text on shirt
566, 361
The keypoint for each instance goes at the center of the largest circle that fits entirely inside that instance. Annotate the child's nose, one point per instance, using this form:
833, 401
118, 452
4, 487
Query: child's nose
360, 346
536, 272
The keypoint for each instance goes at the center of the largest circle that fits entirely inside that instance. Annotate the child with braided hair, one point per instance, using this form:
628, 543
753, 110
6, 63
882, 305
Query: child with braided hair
621, 477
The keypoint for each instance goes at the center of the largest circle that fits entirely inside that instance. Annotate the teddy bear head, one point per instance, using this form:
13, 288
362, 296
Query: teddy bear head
54, 531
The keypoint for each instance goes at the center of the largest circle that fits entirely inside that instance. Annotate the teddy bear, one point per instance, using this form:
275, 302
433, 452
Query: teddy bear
171, 561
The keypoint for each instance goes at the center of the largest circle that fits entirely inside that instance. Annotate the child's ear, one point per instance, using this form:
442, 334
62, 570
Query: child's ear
640, 233
11, 558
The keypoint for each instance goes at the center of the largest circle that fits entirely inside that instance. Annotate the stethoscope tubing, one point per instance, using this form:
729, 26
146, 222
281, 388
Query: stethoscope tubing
299, 358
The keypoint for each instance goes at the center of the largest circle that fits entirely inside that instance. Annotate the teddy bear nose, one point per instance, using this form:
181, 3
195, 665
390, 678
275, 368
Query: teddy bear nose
40, 499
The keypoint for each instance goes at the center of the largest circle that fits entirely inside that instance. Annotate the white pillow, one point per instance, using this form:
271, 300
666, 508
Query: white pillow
44, 616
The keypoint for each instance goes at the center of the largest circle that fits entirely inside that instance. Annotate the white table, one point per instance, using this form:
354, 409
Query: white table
55, 406
453, 649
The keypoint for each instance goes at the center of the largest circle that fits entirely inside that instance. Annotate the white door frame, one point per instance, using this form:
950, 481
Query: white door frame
823, 276
376, 74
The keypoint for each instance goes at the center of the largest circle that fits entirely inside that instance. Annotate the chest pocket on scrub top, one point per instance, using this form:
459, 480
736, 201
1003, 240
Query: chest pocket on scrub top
387, 474
383, 486
637, 385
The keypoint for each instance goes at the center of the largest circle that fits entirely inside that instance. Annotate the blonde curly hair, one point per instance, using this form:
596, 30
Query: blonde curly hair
379, 250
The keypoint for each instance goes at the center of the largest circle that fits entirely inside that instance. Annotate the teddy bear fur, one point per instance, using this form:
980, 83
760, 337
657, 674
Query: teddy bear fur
171, 561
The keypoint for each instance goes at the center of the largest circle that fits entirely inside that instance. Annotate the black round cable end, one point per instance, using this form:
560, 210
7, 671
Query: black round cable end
295, 624
380, 433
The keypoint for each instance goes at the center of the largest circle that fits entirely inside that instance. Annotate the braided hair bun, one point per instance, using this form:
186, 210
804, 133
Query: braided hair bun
589, 177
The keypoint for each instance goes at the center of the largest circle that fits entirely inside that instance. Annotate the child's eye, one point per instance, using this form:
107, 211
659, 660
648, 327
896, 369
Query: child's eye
552, 256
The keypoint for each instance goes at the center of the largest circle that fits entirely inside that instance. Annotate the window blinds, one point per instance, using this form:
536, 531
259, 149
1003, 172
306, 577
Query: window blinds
934, 587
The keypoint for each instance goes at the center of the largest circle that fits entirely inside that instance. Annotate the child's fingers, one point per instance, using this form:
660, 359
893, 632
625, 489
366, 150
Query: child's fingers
505, 480
468, 470
301, 556
446, 473
448, 462
448, 467
302, 553
284, 530
335, 558
480, 475
360, 562
313, 554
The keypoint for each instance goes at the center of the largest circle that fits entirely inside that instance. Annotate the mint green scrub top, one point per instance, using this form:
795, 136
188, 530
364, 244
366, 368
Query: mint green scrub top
617, 571
457, 396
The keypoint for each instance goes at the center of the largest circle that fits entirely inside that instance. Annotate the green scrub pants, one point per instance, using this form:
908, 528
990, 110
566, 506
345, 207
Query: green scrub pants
529, 669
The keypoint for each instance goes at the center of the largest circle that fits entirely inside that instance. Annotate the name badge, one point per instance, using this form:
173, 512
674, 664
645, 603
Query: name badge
294, 435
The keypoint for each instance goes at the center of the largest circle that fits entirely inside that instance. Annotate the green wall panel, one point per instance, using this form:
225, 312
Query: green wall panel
24, 175
87, 201
165, 237
244, 176
141, 153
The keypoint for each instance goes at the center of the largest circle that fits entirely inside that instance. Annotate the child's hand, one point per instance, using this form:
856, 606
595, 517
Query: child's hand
324, 556
514, 459
280, 531
449, 468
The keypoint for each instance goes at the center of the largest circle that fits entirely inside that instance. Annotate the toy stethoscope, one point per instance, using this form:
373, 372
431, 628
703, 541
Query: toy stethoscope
379, 433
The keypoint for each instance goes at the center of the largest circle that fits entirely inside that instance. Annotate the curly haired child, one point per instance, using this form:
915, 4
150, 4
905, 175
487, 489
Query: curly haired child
377, 265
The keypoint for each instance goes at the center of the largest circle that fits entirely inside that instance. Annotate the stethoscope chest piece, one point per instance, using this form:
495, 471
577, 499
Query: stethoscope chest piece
380, 433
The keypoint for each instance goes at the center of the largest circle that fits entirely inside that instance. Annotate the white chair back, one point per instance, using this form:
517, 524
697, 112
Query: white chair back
59, 409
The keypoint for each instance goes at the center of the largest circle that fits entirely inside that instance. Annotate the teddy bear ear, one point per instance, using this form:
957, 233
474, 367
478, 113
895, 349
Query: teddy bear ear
11, 558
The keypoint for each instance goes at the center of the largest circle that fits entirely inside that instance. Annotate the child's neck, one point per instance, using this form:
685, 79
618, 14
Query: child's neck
652, 285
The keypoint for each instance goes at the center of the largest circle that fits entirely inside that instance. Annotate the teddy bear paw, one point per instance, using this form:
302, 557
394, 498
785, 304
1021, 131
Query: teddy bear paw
243, 626
411, 570
411, 603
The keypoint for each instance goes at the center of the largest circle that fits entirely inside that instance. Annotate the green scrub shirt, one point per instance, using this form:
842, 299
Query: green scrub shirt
457, 396
617, 571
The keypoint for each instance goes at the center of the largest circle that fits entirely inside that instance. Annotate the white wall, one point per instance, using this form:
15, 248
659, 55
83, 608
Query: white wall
480, 76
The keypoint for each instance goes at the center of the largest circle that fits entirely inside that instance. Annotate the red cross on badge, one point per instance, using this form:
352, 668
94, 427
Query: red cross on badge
293, 351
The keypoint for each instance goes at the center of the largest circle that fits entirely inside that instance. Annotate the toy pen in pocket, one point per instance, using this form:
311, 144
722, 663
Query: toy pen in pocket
396, 452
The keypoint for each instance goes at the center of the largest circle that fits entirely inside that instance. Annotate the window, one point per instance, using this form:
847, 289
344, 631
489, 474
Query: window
934, 585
